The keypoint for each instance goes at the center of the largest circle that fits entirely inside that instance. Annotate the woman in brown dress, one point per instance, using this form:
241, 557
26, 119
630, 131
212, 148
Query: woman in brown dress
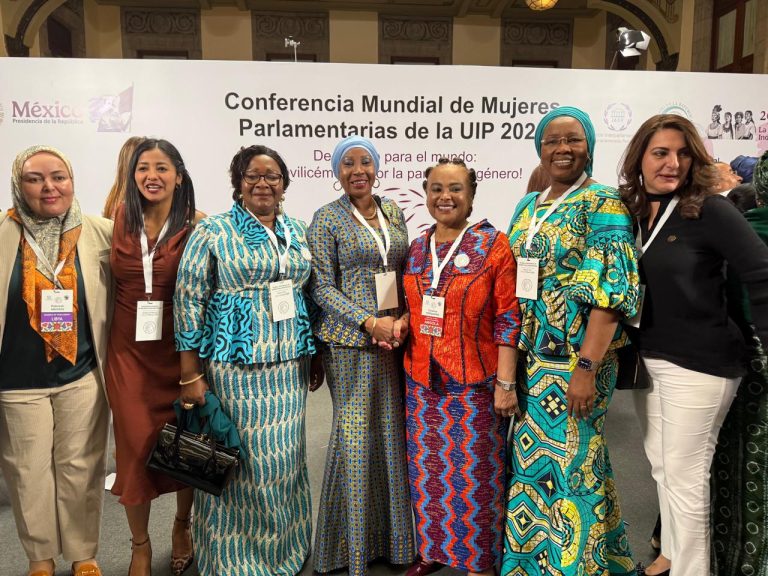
151, 230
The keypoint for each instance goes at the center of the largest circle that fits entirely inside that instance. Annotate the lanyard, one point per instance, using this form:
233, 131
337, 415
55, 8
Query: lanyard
282, 257
148, 256
535, 225
383, 247
54, 272
642, 248
437, 267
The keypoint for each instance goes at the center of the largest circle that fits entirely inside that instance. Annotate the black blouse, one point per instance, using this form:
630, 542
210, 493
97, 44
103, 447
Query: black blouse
685, 318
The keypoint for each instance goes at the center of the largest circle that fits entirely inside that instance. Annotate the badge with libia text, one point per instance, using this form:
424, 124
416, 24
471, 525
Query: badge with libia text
57, 311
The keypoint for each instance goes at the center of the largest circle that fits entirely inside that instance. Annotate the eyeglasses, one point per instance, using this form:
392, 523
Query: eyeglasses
270, 178
569, 140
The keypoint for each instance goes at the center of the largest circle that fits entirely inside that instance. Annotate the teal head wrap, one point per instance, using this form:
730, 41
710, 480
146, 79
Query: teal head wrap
583, 119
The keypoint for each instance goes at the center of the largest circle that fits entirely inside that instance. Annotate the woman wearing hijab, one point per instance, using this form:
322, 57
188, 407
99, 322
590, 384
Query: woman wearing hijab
576, 277
740, 465
359, 244
54, 299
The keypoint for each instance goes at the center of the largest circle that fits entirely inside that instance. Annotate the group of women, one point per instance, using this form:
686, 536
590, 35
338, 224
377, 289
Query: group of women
431, 351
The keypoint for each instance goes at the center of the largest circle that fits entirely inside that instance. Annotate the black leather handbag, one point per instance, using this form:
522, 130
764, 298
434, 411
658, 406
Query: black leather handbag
632, 372
196, 460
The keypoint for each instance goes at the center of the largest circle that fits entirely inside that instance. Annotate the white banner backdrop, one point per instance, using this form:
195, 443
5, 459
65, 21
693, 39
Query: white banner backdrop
414, 114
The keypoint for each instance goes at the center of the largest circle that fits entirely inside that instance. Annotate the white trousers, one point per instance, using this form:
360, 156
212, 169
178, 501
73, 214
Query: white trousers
52, 453
680, 416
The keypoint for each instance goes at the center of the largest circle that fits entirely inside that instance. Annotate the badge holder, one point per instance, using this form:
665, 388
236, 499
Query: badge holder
57, 310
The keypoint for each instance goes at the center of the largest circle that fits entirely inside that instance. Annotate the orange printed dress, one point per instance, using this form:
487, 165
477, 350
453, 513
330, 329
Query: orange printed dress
455, 440
142, 377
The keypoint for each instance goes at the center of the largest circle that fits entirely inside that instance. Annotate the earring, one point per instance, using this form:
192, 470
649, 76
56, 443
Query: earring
642, 183
378, 183
280, 205
339, 186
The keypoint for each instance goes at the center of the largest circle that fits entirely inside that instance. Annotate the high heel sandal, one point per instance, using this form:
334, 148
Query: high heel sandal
179, 564
135, 545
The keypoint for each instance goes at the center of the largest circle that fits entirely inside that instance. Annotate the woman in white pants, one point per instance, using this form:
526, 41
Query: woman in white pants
693, 351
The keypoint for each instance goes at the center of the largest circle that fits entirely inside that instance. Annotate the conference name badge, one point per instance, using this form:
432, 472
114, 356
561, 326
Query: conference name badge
528, 278
57, 311
386, 290
149, 320
634, 322
432, 311
281, 300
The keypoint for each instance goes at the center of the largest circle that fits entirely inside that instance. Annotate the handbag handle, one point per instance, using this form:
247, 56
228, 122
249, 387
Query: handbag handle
181, 427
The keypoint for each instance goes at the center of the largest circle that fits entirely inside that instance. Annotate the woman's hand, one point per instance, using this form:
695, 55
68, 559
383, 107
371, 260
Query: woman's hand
505, 403
193, 393
380, 330
581, 393
400, 330
316, 372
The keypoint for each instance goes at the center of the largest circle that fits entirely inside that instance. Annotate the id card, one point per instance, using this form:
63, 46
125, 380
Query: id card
57, 311
386, 290
149, 320
528, 278
281, 300
432, 311
634, 322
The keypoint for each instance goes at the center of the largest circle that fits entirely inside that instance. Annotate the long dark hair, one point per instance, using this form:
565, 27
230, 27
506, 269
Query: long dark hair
183, 205
701, 179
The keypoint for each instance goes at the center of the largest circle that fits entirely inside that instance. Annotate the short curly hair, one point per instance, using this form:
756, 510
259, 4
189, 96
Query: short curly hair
240, 163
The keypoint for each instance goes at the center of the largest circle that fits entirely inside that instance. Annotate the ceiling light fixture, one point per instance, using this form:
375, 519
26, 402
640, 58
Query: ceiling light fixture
540, 4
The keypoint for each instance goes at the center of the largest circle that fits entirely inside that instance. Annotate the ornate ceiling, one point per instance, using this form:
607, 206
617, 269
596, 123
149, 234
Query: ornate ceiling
493, 8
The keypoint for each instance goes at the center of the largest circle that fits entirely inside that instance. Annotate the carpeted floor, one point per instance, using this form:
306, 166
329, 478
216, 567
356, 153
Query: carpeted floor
638, 499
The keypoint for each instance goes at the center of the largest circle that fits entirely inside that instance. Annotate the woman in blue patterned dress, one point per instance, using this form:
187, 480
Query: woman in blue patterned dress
573, 243
256, 360
359, 244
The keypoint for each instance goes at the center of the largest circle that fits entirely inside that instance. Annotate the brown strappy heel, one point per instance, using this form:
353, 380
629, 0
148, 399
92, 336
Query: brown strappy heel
179, 564
135, 545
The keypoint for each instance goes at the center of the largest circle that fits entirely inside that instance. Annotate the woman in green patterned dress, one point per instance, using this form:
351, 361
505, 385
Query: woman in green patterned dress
577, 276
740, 465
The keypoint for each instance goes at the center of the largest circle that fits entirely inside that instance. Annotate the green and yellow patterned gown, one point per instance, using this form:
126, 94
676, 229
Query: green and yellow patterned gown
563, 515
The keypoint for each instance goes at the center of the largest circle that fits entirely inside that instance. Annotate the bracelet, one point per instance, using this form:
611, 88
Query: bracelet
374, 325
506, 385
195, 379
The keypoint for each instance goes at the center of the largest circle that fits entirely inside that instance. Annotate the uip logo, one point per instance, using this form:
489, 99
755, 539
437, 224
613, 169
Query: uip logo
677, 108
617, 116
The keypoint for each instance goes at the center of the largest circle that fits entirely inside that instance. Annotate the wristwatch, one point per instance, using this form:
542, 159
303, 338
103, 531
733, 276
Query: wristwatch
586, 364
506, 385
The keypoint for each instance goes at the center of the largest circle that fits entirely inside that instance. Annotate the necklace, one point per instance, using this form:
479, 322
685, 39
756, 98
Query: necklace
375, 212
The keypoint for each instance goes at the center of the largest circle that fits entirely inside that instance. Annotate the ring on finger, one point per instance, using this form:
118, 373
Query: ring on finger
187, 405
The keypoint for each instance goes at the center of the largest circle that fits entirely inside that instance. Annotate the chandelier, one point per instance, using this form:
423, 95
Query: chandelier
540, 4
